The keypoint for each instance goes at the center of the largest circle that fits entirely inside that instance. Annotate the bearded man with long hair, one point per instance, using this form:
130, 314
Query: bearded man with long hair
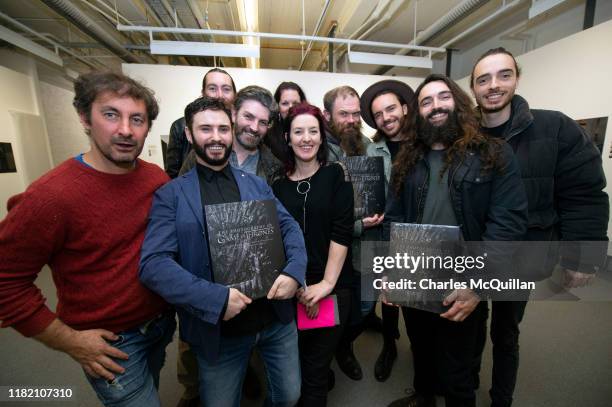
448, 173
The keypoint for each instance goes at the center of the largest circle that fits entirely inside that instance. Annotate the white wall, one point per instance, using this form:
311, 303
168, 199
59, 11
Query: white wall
66, 135
572, 75
176, 86
19, 85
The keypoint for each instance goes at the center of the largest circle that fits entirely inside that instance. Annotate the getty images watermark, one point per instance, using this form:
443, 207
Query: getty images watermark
416, 272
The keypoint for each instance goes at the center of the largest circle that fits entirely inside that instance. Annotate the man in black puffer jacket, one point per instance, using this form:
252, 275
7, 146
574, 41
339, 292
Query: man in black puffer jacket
564, 181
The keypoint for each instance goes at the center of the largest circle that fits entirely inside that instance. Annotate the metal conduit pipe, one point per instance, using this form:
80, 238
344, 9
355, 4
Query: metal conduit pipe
84, 23
315, 32
389, 14
457, 13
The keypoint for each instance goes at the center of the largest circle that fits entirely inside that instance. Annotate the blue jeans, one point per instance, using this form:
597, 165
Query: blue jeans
146, 347
221, 382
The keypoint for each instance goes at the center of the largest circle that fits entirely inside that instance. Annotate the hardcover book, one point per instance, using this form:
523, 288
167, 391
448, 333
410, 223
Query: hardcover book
246, 245
368, 178
427, 255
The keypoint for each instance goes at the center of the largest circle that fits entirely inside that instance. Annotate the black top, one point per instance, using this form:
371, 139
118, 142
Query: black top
393, 148
328, 217
218, 187
438, 208
497, 131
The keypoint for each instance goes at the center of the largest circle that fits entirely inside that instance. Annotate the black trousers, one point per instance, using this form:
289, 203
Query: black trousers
505, 319
317, 347
447, 354
390, 319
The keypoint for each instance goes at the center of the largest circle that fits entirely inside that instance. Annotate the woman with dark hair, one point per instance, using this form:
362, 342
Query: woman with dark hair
320, 198
287, 95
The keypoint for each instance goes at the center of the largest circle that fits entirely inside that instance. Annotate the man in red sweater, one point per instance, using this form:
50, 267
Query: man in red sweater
86, 220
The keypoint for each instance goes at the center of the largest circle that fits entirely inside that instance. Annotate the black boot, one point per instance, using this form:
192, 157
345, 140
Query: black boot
384, 363
347, 362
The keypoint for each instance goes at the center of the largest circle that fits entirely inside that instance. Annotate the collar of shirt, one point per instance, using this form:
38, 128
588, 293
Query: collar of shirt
248, 165
209, 174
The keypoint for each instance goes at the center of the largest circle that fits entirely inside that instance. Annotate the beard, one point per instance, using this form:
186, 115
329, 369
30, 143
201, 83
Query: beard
248, 140
201, 152
349, 135
446, 133
400, 127
482, 102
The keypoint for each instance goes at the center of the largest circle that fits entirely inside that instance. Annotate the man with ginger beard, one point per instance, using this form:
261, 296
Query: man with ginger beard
343, 115
448, 173
342, 112
221, 324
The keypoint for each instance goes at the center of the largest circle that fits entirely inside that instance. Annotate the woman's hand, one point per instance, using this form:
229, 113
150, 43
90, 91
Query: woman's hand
313, 311
315, 293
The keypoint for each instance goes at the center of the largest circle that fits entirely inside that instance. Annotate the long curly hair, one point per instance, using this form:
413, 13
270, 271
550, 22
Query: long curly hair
470, 138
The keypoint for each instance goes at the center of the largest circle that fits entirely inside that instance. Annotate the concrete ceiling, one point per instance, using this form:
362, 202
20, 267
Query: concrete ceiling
276, 16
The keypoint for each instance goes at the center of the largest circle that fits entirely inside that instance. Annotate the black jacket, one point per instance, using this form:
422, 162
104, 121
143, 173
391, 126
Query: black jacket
178, 148
564, 181
490, 206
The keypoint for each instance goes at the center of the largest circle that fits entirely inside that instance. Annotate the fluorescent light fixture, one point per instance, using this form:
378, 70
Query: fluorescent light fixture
24, 43
541, 6
389, 59
204, 49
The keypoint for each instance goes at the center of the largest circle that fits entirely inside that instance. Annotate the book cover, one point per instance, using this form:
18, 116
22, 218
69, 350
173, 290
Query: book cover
368, 178
246, 245
426, 250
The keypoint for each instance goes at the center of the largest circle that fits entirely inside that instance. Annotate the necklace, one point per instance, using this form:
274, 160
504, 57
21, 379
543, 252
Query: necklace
302, 188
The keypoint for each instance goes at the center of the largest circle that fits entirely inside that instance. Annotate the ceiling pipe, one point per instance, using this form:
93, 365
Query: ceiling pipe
315, 32
457, 13
255, 34
84, 23
391, 10
374, 16
202, 20
55, 44
481, 23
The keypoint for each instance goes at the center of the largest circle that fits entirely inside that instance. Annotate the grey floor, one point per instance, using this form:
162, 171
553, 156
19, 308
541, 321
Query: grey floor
566, 360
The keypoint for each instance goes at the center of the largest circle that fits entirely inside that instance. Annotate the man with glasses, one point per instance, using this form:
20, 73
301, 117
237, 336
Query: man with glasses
253, 108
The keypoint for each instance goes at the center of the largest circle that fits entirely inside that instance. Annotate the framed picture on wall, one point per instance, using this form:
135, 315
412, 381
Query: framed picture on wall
595, 128
7, 159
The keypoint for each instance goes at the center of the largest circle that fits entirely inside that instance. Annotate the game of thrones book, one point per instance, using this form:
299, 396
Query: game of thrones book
424, 271
246, 245
368, 179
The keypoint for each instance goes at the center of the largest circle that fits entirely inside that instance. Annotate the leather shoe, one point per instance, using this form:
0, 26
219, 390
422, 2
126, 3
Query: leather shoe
194, 402
348, 363
414, 400
384, 363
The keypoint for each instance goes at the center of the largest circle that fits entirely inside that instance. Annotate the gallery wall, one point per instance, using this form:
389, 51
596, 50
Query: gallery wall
66, 136
20, 99
176, 86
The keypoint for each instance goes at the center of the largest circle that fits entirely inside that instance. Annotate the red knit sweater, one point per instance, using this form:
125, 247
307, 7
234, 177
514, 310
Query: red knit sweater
88, 226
